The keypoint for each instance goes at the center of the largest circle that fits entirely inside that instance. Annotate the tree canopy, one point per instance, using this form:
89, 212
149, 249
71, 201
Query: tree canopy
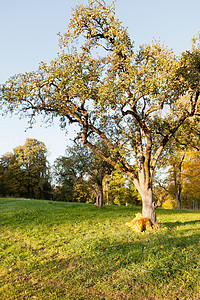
132, 100
25, 173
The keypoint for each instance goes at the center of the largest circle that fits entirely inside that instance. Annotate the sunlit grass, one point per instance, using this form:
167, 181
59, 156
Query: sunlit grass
54, 250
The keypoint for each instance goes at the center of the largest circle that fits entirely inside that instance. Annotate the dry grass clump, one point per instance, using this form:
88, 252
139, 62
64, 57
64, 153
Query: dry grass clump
139, 223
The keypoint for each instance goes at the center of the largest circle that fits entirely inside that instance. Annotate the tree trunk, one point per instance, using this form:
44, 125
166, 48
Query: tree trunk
41, 194
99, 196
148, 205
195, 204
178, 180
178, 197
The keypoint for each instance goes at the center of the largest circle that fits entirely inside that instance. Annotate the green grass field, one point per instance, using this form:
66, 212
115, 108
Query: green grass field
54, 250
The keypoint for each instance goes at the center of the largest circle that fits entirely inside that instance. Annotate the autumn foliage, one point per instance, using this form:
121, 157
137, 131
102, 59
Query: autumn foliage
139, 223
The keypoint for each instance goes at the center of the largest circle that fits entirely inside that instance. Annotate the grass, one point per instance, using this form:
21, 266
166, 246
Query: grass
54, 250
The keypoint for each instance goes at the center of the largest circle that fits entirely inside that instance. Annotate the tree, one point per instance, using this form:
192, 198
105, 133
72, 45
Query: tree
191, 179
25, 173
66, 179
86, 168
120, 190
11, 176
173, 159
187, 140
92, 167
172, 162
32, 158
182, 175
182, 182
176, 173
133, 101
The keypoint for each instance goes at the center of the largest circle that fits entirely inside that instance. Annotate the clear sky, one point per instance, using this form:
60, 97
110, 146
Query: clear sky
28, 35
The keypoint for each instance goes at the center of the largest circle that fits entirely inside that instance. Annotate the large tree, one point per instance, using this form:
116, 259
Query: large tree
133, 101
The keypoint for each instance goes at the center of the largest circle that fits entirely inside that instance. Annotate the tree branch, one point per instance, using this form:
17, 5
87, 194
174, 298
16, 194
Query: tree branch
173, 131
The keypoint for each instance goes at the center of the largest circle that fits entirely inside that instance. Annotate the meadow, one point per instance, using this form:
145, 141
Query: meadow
55, 250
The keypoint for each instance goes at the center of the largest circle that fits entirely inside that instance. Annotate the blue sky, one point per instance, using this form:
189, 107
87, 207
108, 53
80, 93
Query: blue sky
28, 35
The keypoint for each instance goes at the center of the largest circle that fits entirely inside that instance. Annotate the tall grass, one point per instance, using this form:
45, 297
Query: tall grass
54, 250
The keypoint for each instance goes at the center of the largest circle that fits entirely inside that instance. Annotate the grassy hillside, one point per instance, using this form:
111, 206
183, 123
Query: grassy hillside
52, 250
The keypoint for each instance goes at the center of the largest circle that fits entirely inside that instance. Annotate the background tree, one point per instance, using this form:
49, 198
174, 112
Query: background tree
120, 190
133, 101
92, 167
176, 174
191, 177
172, 161
65, 177
32, 158
25, 173
87, 170
180, 184
71, 187
11, 177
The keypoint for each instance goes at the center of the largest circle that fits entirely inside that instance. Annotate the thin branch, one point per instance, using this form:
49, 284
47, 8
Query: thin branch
172, 132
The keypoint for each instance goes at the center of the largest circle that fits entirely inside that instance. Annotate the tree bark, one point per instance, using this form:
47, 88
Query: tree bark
178, 197
148, 204
99, 196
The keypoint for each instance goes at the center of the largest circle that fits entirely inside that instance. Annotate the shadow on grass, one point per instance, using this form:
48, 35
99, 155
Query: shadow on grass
179, 223
116, 263
128, 266
163, 211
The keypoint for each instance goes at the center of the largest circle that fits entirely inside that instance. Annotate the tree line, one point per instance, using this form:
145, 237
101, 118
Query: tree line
131, 104
82, 176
